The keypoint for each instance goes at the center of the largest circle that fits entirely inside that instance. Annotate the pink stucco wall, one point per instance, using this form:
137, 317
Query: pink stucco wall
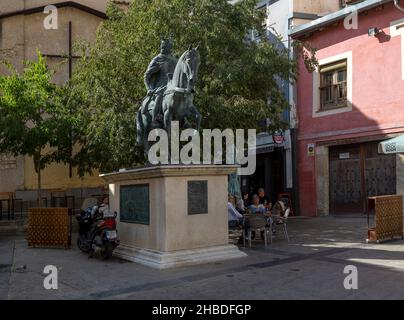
378, 91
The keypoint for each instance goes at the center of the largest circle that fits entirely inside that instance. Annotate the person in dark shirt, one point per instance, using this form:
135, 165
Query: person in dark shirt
264, 200
246, 199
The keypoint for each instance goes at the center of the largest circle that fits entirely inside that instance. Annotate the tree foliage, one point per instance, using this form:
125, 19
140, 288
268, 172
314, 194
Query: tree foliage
33, 116
238, 82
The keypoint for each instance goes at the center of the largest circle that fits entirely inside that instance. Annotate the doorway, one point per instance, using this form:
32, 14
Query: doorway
357, 172
269, 174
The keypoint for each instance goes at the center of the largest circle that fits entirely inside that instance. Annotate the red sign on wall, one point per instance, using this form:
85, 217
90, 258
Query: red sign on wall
278, 138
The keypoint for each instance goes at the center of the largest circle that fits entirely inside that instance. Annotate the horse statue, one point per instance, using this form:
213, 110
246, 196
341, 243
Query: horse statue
176, 100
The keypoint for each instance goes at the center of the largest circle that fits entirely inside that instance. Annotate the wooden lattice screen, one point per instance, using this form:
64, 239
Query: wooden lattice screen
388, 218
49, 227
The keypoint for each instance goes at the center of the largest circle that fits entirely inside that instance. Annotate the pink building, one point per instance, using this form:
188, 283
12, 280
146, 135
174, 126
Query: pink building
354, 100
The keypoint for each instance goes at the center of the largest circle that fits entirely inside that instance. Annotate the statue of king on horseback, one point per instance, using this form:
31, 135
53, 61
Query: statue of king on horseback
170, 92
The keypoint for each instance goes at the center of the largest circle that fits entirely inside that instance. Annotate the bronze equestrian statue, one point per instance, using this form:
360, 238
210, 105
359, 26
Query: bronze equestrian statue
170, 92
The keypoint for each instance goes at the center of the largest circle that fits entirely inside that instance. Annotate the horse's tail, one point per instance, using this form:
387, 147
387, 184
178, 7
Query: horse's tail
139, 127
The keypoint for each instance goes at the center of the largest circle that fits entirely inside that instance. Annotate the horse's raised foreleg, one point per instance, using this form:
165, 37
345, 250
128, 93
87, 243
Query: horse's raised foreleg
168, 105
197, 116
168, 115
146, 118
139, 128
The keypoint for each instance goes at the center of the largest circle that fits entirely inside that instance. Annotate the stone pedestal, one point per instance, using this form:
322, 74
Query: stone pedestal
171, 216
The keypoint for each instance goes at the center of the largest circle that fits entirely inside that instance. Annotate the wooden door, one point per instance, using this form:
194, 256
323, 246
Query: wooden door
345, 179
380, 172
358, 172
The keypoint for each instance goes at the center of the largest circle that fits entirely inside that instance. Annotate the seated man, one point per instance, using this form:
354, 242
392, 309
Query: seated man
104, 206
256, 206
246, 199
264, 199
235, 218
99, 211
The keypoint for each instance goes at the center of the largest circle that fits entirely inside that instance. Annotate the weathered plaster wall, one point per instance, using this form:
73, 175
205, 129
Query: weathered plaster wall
315, 6
12, 178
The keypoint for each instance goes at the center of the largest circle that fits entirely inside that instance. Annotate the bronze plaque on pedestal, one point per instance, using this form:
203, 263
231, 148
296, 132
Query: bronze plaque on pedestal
134, 204
197, 197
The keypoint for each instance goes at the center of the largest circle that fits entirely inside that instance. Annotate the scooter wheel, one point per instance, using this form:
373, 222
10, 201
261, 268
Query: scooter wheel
106, 253
81, 246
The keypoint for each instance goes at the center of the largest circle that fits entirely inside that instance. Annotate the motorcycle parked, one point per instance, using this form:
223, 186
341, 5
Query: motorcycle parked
97, 229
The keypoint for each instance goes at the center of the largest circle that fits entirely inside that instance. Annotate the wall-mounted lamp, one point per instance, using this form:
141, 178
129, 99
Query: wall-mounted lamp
373, 32
397, 4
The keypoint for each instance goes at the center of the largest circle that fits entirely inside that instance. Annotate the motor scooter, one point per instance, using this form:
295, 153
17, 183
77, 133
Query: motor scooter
97, 229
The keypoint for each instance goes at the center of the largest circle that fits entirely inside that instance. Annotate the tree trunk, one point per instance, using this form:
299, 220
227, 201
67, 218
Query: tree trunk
37, 161
39, 187
71, 154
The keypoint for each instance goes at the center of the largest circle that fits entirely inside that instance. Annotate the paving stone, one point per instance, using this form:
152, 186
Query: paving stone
311, 266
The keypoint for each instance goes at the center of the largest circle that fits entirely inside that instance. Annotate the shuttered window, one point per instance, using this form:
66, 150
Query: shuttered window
333, 85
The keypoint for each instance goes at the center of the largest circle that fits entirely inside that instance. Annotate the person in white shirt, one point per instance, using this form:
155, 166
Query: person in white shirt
239, 204
104, 207
101, 210
235, 217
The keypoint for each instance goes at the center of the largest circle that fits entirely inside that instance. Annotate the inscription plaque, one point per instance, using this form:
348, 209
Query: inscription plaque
134, 204
197, 197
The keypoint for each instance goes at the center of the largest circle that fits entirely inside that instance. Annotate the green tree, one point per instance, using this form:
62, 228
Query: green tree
34, 120
237, 85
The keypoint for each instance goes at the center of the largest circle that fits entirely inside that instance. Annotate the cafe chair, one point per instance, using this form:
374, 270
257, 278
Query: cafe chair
258, 223
279, 208
283, 222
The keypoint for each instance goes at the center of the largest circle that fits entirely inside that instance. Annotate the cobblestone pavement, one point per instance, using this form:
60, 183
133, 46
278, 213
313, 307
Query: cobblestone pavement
311, 266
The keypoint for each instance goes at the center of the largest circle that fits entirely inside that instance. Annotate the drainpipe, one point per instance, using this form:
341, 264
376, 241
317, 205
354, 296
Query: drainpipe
397, 4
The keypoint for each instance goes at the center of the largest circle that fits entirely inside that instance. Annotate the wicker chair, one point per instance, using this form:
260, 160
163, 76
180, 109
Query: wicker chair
279, 208
283, 221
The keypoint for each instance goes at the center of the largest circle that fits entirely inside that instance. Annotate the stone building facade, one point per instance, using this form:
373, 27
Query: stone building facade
276, 160
348, 105
22, 33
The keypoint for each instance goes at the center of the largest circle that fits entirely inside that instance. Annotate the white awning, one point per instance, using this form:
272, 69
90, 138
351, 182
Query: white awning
395, 145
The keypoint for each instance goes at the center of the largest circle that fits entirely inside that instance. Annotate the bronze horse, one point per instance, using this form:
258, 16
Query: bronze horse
177, 104
179, 97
